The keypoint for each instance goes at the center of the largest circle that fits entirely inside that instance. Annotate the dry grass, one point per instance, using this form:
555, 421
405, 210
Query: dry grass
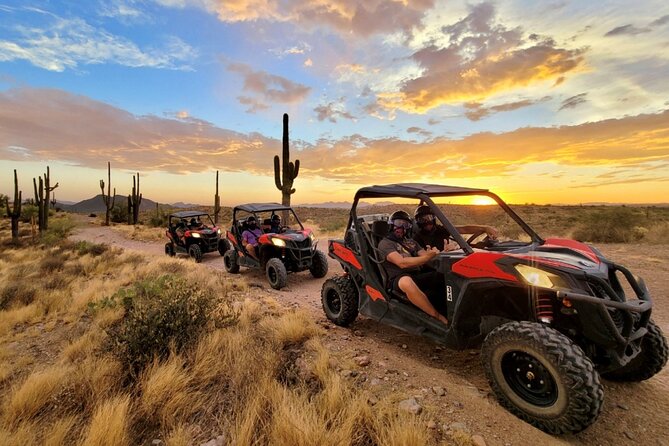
266, 379
110, 423
140, 232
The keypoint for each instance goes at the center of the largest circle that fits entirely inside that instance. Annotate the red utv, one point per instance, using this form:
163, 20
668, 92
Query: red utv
552, 315
193, 233
288, 248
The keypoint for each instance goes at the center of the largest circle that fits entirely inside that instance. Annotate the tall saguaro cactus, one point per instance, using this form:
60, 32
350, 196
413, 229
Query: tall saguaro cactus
108, 199
15, 212
289, 171
134, 200
42, 199
217, 202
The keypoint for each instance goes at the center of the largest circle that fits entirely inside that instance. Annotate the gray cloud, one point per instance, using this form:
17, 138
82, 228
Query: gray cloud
629, 30
332, 111
475, 111
573, 101
270, 87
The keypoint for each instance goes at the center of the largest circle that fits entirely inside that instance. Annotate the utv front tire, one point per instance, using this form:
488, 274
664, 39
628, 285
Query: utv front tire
650, 360
542, 377
223, 247
169, 249
319, 265
230, 261
195, 252
276, 273
340, 300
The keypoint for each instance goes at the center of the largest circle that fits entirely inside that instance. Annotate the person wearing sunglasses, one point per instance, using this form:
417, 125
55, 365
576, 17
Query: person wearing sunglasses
403, 259
431, 234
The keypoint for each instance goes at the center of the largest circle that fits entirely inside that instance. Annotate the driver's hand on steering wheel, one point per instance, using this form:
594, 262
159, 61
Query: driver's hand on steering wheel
492, 232
450, 245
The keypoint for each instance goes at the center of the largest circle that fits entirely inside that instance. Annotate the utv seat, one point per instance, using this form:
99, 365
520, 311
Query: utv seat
379, 231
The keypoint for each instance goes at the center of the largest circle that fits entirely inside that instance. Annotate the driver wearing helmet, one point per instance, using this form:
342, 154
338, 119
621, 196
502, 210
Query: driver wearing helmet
275, 224
431, 234
403, 258
250, 236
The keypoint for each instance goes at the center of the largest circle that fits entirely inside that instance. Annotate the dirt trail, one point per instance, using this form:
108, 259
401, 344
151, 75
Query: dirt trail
411, 366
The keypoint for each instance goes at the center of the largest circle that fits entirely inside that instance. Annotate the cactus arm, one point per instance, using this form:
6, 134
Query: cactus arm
277, 173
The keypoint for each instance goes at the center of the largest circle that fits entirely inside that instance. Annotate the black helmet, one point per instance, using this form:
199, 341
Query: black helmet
193, 222
276, 218
399, 215
251, 221
423, 215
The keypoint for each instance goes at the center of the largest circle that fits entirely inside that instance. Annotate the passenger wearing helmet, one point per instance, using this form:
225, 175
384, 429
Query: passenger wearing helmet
432, 234
403, 258
250, 236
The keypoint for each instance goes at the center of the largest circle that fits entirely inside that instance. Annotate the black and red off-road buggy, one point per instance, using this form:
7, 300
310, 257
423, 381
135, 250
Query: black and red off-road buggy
193, 233
289, 248
552, 315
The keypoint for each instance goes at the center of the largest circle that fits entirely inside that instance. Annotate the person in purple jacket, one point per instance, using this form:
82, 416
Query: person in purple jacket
250, 236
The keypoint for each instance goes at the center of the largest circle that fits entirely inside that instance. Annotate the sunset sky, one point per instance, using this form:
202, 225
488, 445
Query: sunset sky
539, 101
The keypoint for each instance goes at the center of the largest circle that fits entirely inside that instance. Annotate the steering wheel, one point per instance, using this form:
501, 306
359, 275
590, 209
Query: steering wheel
484, 243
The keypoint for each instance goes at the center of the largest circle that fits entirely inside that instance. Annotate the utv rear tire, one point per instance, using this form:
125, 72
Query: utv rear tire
169, 249
319, 265
230, 261
223, 247
340, 300
649, 361
542, 377
276, 273
195, 252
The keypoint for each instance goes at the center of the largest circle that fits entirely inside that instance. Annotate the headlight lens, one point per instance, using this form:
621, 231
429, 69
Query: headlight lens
312, 236
539, 277
218, 231
196, 234
278, 242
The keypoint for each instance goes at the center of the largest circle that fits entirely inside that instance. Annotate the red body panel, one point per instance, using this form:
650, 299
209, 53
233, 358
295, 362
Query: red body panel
576, 246
231, 237
374, 293
482, 264
537, 260
345, 254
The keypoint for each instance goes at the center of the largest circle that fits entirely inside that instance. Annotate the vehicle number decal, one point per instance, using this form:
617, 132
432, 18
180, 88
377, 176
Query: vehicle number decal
449, 293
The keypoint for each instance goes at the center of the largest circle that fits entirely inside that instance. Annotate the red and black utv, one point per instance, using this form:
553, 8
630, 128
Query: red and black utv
193, 233
552, 315
288, 247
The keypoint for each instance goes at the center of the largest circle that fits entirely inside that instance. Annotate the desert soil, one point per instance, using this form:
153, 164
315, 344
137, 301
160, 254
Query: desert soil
409, 366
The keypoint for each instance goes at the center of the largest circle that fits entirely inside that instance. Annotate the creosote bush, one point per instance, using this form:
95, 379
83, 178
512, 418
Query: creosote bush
615, 225
164, 313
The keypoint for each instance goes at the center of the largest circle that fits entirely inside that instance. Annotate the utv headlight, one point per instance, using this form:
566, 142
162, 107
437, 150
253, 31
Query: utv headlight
312, 236
278, 242
539, 277
196, 234
218, 231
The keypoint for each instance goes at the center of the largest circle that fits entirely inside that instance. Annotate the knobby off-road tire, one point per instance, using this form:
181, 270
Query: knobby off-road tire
169, 249
230, 261
649, 361
319, 265
276, 273
340, 300
542, 377
195, 252
223, 247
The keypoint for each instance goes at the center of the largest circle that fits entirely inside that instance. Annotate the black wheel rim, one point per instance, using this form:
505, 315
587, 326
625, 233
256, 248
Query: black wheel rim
333, 301
529, 379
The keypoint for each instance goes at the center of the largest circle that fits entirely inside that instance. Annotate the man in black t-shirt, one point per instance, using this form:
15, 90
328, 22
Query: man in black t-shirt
431, 234
403, 258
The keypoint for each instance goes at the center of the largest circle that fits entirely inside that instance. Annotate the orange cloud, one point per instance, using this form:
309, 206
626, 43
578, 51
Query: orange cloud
482, 59
269, 87
43, 124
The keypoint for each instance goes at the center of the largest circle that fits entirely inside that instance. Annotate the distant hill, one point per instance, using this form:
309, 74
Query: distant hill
182, 205
96, 204
343, 204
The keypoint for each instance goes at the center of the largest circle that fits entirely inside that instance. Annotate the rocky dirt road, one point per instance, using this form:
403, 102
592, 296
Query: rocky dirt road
450, 385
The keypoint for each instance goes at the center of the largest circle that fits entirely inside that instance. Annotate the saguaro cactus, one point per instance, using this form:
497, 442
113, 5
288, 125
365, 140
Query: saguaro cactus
289, 171
134, 200
217, 202
42, 199
15, 212
108, 199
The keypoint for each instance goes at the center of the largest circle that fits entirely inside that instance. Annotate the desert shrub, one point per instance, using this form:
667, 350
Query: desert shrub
53, 262
119, 213
615, 225
28, 211
84, 247
158, 219
16, 293
163, 313
59, 229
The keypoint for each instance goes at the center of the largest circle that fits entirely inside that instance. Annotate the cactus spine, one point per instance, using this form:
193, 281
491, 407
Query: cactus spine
15, 213
217, 202
134, 200
289, 171
108, 199
42, 199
